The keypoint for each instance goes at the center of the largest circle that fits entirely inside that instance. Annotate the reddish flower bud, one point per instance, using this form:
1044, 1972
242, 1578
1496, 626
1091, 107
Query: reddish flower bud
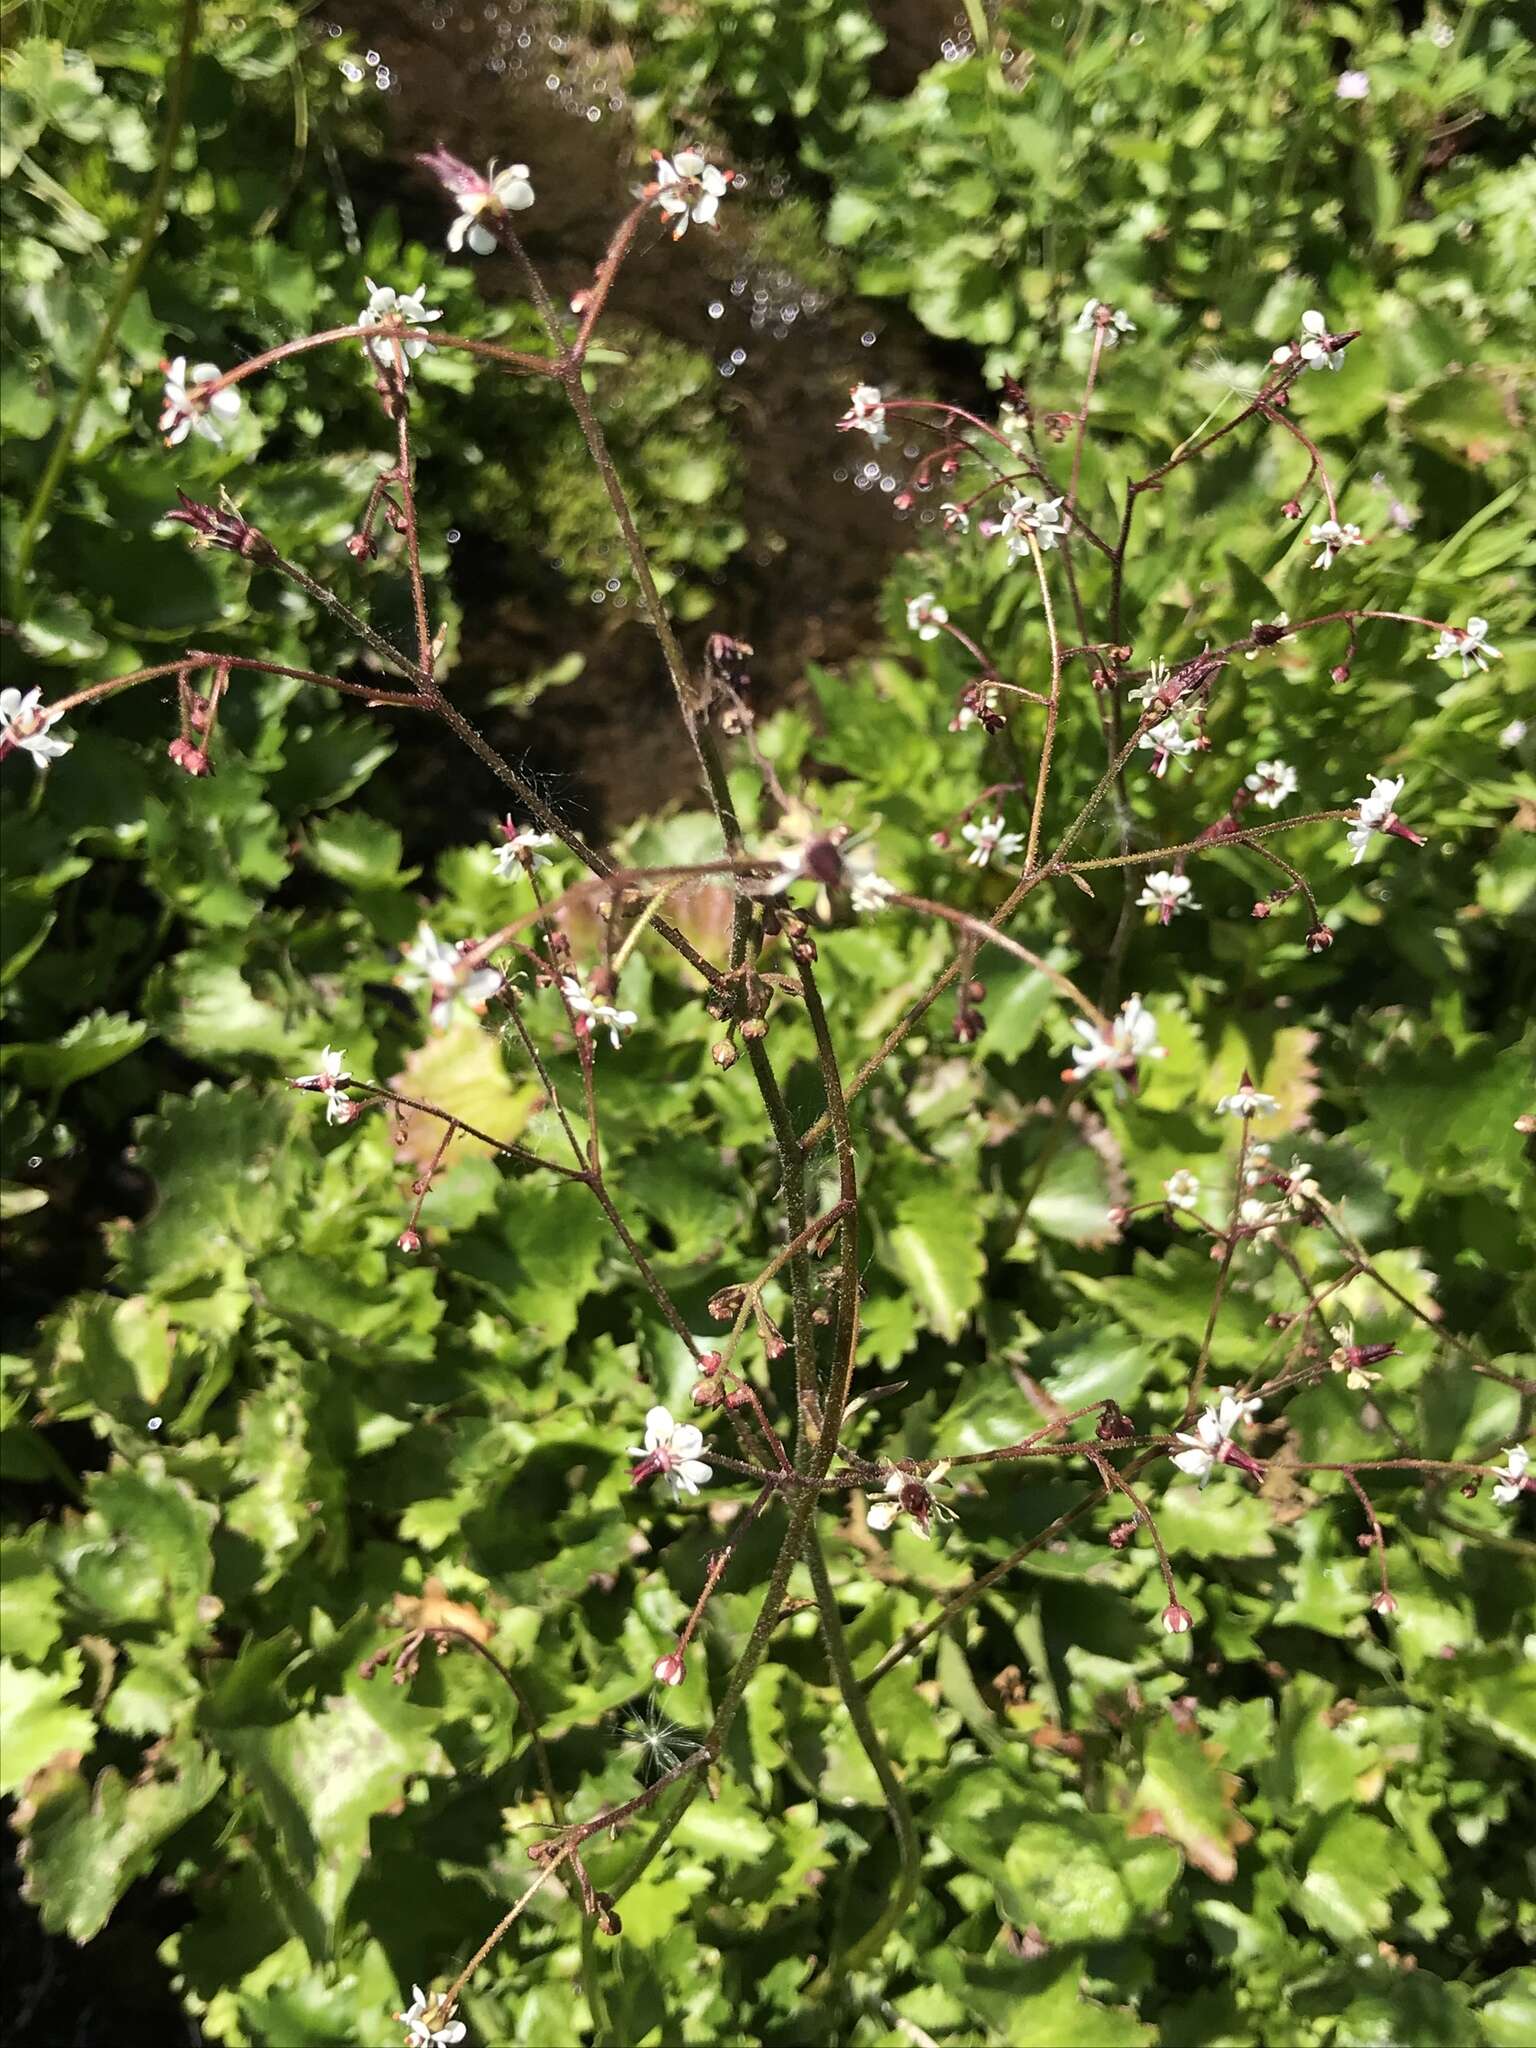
190, 759
723, 1054
1383, 1603
1262, 909
710, 1363
1177, 1620
1291, 509
669, 1670
754, 1028
409, 1240
1319, 939
362, 546
1341, 673
940, 839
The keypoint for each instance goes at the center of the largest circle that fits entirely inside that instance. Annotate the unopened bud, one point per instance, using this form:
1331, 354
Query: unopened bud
1319, 939
1177, 1620
754, 1028
190, 759
1291, 509
607, 1919
710, 1363
1262, 909
409, 1240
940, 839
1122, 1534
1383, 1603
362, 546
1340, 673
669, 1670
723, 1054
903, 501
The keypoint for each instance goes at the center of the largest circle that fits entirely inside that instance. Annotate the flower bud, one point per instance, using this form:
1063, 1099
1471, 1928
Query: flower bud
940, 839
607, 1919
409, 1240
1262, 909
754, 1028
1319, 939
669, 1670
1177, 1620
1341, 673
190, 759
1291, 509
724, 1055
361, 546
1383, 1603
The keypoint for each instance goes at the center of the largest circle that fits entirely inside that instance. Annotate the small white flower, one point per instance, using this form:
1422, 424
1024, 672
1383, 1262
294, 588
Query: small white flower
989, 837
523, 849
1513, 733
925, 617
1331, 540
865, 414
868, 890
25, 722
1301, 1190
1132, 1036
1280, 619
956, 519
1471, 643
390, 311
425, 2025
1206, 1445
671, 1449
1167, 893
1512, 1480
1271, 782
1013, 425
1167, 741
498, 193
1259, 1160
1113, 322
1353, 85
1042, 517
1375, 813
444, 970
1182, 1189
331, 1082
1246, 1100
595, 1014
1156, 684
907, 1494
1255, 1215
689, 189
184, 410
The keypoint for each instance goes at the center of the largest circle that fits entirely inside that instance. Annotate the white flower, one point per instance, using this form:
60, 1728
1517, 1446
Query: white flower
956, 519
522, 850
1167, 741
1207, 1443
184, 410
672, 1449
425, 2025
1255, 1215
331, 1082
689, 189
391, 311
1512, 1480
444, 970
1271, 782
1280, 619
1167, 894
1374, 813
1258, 1165
989, 837
1132, 1036
1114, 323
1246, 1100
1513, 733
595, 1014
1332, 539
1301, 1190
499, 192
907, 1494
865, 414
1470, 643
24, 723
926, 618
1013, 425
1182, 1189
868, 890
1155, 686
1042, 517
1353, 85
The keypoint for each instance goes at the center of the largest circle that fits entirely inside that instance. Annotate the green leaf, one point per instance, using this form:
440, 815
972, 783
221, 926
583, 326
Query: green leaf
35, 1722
1185, 1795
935, 1247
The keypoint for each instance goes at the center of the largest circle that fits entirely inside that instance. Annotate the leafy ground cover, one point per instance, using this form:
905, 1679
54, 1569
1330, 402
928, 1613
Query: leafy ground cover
329, 1590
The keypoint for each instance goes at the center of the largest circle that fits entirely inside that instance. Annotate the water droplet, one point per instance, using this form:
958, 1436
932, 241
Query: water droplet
599, 596
155, 1422
552, 83
716, 308
738, 286
726, 369
370, 57
867, 338
738, 356
34, 1163
453, 535
594, 113
613, 582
